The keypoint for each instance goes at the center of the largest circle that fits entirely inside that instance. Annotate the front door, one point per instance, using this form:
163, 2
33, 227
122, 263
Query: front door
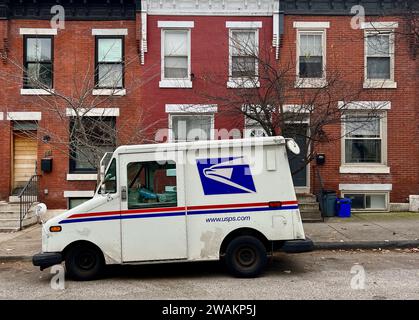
298, 131
25, 148
153, 215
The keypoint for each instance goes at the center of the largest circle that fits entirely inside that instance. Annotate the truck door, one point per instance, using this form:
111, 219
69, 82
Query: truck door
153, 215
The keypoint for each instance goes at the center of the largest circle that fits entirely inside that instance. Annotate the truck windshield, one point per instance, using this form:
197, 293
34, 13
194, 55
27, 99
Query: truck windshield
110, 178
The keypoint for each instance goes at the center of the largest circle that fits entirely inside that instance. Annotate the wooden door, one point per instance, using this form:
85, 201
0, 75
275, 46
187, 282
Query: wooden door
24, 159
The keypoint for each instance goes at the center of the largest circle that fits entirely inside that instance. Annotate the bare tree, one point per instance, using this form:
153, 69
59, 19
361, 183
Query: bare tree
82, 108
272, 98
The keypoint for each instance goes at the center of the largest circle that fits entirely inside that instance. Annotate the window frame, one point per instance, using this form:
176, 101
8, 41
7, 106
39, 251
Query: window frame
382, 115
234, 82
380, 83
97, 63
25, 60
171, 133
72, 162
366, 193
311, 82
175, 82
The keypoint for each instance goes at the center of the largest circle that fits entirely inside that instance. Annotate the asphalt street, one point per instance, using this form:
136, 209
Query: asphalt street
378, 274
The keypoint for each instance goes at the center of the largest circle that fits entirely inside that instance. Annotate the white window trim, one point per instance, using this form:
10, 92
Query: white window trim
1, 115
311, 24
244, 24
170, 132
81, 176
23, 116
176, 24
305, 29
191, 108
377, 28
364, 168
36, 92
109, 92
94, 112
38, 31
365, 105
242, 82
79, 194
175, 83
109, 32
365, 187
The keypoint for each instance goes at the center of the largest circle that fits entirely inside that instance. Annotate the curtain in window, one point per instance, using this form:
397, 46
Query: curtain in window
176, 54
311, 56
191, 128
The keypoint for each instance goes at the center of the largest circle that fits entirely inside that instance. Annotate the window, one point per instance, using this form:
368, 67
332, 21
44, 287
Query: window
243, 53
74, 202
191, 127
150, 185
253, 128
38, 62
176, 54
109, 62
311, 60
363, 139
378, 57
368, 201
110, 180
90, 139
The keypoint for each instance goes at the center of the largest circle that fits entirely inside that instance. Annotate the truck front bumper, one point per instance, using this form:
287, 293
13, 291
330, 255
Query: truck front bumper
297, 246
47, 259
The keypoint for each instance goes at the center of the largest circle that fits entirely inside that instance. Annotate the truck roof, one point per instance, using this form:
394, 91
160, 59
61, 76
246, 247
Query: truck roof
203, 144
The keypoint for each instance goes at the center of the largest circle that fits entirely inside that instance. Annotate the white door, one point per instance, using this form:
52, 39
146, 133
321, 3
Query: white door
153, 215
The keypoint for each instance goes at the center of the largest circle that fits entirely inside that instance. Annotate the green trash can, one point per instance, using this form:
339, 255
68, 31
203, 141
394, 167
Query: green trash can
328, 203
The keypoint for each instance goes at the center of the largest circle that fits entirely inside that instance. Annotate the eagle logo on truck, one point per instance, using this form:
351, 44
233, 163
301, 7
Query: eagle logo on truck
225, 176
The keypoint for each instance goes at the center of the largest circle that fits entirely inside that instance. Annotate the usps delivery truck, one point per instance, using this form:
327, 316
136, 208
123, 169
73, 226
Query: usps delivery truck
229, 200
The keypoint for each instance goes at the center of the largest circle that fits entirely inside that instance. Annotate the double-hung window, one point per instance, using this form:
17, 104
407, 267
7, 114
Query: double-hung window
38, 62
90, 139
379, 54
311, 58
176, 54
363, 139
191, 127
243, 54
109, 62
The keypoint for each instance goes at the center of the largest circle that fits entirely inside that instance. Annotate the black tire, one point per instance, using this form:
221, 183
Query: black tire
246, 257
84, 262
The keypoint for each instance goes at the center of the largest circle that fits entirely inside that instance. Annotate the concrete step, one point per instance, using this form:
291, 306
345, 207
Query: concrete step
311, 216
15, 223
308, 206
306, 197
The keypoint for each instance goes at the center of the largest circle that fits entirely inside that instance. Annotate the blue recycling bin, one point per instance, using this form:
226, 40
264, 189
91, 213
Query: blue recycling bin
343, 207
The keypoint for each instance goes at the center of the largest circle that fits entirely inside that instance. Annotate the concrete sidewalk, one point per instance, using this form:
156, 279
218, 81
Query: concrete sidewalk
366, 230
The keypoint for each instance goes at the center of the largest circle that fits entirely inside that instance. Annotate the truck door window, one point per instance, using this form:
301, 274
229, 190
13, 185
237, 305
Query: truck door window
151, 184
110, 178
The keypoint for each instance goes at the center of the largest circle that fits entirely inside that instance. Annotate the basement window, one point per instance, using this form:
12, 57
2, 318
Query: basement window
368, 201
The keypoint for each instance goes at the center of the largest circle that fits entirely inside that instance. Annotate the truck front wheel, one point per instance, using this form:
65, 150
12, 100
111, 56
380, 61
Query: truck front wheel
84, 262
246, 257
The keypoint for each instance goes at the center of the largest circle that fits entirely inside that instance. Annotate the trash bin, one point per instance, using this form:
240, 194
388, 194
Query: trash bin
328, 203
343, 207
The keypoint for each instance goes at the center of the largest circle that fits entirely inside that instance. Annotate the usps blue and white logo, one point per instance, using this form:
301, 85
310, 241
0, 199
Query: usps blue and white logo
225, 176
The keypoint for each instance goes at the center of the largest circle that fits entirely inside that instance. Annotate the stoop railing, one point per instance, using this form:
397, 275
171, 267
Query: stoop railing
27, 197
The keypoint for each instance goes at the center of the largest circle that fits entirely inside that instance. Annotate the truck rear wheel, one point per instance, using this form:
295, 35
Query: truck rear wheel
246, 257
84, 262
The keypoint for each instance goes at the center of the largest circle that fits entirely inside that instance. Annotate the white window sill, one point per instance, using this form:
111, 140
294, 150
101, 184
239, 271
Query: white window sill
303, 83
82, 177
36, 92
380, 84
175, 83
364, 168
109, 92
243, 83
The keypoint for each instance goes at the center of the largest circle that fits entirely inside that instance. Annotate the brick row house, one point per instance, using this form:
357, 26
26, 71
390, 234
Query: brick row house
173, 65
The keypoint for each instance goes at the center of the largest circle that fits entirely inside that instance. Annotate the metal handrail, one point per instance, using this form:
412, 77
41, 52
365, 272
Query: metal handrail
27, 197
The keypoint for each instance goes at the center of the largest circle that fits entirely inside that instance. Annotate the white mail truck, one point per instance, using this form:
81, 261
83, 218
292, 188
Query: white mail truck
230, 200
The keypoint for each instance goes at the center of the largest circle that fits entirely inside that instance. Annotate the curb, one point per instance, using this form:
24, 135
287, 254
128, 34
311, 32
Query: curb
15, 258
398, 244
